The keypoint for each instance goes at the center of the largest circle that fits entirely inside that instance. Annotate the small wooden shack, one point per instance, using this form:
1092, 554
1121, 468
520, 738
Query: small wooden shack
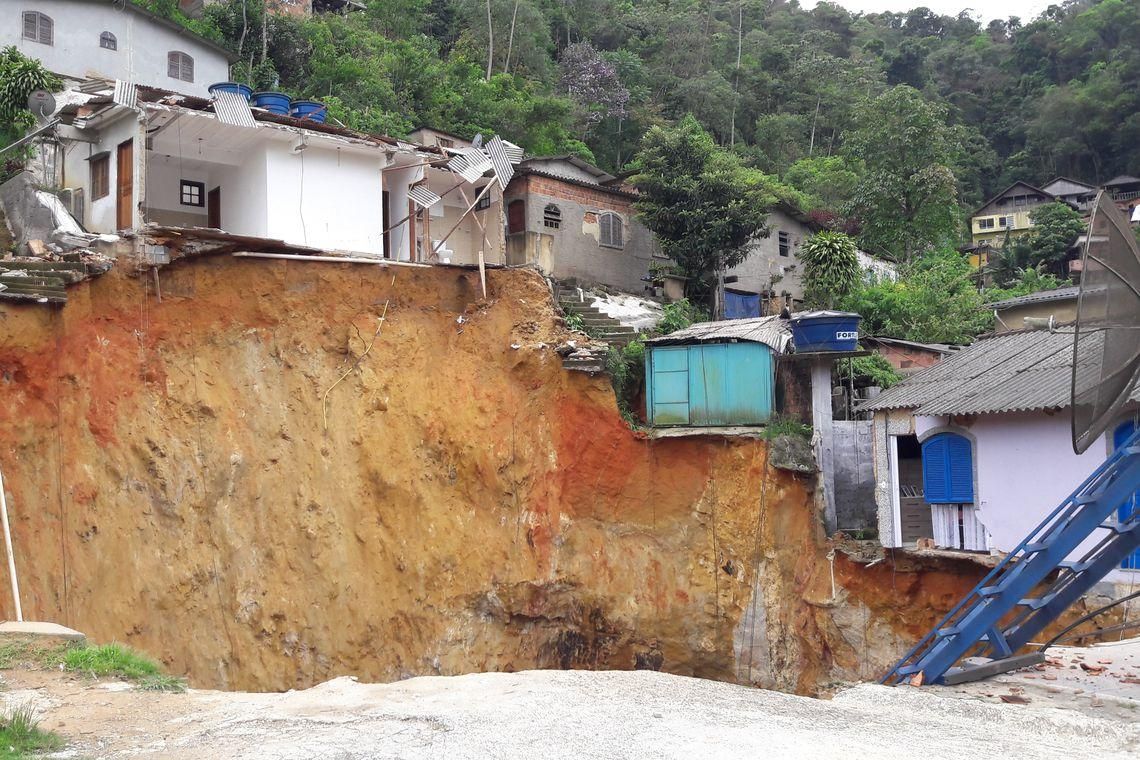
714, 373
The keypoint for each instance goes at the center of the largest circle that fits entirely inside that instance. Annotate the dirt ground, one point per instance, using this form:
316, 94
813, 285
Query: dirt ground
552, 714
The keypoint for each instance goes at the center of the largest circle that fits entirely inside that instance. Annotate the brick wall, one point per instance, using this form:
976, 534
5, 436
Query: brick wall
572, 250
556, 189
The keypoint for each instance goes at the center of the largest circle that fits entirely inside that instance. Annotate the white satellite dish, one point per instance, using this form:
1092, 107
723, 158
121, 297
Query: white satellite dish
42, 104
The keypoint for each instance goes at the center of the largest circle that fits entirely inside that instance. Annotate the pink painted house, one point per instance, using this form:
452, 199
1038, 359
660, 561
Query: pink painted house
975, 451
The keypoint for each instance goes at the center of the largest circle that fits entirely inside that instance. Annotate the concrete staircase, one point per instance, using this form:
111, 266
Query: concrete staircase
598, 325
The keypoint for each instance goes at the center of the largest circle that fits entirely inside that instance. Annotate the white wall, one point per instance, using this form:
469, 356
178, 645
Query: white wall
99, 215
325, 197
143, 44
1024, 468
245, 209
164, 180
765, 264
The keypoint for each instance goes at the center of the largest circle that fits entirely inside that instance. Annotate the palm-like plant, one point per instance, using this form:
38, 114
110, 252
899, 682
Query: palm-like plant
831, 268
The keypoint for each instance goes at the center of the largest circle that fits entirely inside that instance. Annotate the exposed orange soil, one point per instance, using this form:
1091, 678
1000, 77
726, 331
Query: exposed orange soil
470, 506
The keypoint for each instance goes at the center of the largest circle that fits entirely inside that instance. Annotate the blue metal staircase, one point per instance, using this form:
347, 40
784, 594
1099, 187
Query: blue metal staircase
1035, 583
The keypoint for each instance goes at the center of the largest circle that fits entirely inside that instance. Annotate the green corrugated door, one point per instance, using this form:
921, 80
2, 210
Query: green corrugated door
669, 386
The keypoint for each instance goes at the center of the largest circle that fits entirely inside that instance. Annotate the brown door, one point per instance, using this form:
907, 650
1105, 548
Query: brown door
125, 186
214, 208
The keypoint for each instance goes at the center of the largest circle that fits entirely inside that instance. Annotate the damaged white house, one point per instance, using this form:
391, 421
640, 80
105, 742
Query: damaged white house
133, 158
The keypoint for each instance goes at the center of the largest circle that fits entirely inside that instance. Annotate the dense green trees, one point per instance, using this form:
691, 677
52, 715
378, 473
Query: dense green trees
907, 198
1059, 94
700, 201
888, 124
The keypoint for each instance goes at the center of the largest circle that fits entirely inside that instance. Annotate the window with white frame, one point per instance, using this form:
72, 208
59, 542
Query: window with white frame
1006, 221
610, 229
38, 27
785, 241
179, 65
986, 224
107, 41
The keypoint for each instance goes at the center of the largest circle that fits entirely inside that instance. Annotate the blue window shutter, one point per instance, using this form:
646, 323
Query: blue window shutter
935, 484
948, 469
961, 469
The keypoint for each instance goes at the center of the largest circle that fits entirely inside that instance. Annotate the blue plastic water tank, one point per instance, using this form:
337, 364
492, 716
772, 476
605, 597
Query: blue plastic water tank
309, 109
825, 331
274, 102
242, 89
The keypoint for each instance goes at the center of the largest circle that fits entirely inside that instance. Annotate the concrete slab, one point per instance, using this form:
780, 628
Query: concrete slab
1102, 680
39, 628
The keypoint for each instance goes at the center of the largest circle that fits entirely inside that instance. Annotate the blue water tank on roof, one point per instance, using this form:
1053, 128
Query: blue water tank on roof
825, 331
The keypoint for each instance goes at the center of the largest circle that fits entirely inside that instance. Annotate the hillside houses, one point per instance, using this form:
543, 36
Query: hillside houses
1008, 214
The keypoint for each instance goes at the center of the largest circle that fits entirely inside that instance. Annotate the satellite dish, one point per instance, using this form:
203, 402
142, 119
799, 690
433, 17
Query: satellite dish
1106, 343
41, 104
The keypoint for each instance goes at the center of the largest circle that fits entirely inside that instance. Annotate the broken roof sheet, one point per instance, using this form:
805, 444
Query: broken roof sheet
1020, 371
771, 331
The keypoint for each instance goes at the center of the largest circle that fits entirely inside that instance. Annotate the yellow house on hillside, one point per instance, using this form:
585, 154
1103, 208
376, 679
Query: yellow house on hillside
1006, 214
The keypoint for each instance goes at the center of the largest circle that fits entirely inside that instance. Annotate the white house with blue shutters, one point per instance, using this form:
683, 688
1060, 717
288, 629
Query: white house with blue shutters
975, 451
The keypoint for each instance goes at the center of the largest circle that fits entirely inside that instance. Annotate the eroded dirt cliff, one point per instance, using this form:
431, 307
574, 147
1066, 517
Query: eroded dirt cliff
187, 475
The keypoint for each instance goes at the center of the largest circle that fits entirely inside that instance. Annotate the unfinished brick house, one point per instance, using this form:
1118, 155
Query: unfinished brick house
576, 222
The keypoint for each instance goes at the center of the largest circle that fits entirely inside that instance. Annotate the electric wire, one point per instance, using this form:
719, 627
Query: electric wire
1089, 616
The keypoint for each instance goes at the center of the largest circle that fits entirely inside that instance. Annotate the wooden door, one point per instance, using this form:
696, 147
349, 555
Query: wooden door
214, 208
125, 186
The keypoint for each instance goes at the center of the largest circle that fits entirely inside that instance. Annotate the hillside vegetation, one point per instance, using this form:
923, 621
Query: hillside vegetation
1030, 98
888, 126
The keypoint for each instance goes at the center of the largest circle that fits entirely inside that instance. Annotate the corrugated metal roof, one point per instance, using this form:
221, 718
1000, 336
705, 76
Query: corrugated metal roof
1042, 296
938, 348
771, 331
233, 109
1009, 372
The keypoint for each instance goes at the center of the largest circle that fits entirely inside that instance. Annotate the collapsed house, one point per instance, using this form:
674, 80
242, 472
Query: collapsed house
139, 157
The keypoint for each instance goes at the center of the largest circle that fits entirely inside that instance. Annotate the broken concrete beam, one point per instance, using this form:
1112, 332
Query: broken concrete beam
36, 629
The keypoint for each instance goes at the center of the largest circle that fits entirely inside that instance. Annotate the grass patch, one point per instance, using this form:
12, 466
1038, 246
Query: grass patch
21, 736
31, 653
121, 661
785, 426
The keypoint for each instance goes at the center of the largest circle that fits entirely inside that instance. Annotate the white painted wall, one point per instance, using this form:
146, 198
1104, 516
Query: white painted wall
99, 215
325, 197
164, 179
766, 268
1024, 467
245, 193
143, 44
396, 182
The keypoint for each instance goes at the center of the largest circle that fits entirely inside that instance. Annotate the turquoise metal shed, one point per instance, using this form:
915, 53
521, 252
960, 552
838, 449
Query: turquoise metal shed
714, 373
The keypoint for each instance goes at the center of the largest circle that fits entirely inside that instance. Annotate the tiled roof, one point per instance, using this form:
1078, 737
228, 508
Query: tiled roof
1008, 372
